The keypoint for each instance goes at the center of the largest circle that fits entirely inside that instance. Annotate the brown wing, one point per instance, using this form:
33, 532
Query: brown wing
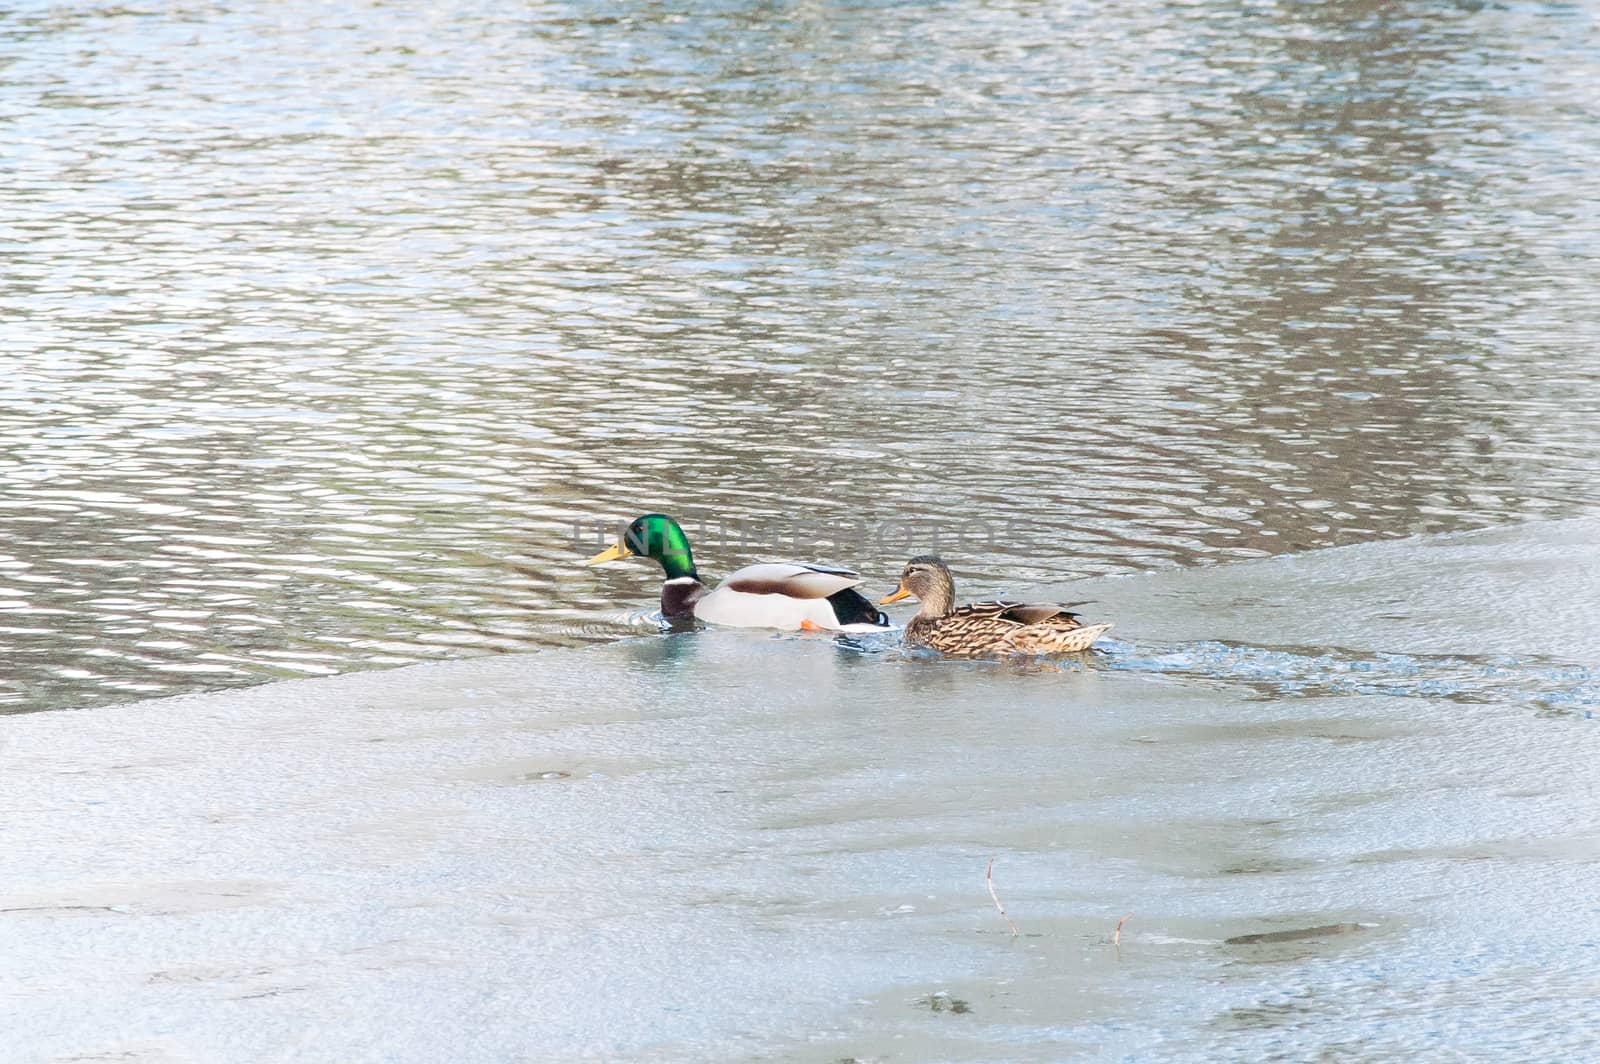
988, 628
1023, 612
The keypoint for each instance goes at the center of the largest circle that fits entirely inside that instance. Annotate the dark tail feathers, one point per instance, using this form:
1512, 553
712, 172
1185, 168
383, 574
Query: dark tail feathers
851, 608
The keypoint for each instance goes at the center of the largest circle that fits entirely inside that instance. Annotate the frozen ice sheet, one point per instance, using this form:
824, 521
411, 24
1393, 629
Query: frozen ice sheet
732, 845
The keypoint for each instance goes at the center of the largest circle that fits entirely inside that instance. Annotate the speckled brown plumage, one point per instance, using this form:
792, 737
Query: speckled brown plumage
986, 628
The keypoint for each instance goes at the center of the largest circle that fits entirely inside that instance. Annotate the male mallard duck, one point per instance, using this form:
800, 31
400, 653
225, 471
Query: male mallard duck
770, 595
986, 627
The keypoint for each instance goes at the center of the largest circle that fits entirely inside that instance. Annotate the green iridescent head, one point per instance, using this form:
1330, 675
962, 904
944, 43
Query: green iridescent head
653, 536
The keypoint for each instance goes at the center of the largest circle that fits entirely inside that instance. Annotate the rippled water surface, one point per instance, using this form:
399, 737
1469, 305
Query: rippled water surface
324, 325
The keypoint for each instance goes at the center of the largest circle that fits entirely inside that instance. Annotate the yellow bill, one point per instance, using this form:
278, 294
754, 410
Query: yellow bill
615, 552
896, 597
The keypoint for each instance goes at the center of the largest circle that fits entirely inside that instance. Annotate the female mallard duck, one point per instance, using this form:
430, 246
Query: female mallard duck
770, 595
985, 628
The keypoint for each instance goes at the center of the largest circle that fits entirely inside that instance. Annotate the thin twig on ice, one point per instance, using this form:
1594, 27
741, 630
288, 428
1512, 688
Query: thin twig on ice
988, 876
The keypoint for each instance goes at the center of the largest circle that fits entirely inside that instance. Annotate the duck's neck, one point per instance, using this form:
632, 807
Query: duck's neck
679, 566
937, 601
679, 596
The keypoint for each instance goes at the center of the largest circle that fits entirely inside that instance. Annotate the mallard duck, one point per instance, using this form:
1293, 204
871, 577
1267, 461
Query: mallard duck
985, 628
785, 595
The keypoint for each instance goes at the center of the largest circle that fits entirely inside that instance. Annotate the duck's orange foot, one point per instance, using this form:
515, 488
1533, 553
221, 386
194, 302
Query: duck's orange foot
811, 626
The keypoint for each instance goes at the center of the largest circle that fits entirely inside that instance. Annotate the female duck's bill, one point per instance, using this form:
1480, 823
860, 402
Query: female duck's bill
786, 595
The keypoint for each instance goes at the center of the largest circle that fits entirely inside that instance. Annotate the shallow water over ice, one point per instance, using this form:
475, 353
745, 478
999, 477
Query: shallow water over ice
1341, 825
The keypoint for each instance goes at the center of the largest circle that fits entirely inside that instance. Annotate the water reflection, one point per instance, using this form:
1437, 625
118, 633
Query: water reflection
324, 327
